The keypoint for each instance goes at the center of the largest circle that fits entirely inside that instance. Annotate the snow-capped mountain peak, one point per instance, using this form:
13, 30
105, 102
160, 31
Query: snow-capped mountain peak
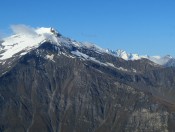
26, 40
122, 54
127, 56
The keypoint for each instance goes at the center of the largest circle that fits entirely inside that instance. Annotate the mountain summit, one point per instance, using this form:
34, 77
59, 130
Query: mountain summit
25, 42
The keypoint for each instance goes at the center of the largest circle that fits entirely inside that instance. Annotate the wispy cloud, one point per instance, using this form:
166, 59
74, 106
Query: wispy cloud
23, 29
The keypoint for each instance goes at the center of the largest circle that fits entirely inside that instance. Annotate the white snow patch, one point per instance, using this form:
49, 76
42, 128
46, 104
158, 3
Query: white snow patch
69, 56
122, 69
134, 70
3, 62
4, 73
23, 53
80, 54
50, 57
97, 61
110, 64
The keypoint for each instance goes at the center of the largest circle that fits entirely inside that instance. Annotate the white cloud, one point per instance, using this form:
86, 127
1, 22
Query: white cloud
23, 29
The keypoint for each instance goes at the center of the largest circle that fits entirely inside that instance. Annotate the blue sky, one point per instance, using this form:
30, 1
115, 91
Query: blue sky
137, 26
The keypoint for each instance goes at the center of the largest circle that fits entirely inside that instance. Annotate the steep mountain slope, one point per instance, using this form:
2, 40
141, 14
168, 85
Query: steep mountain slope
60, 85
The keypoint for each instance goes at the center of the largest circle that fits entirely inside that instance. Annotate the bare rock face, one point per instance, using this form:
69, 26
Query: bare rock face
52, 90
